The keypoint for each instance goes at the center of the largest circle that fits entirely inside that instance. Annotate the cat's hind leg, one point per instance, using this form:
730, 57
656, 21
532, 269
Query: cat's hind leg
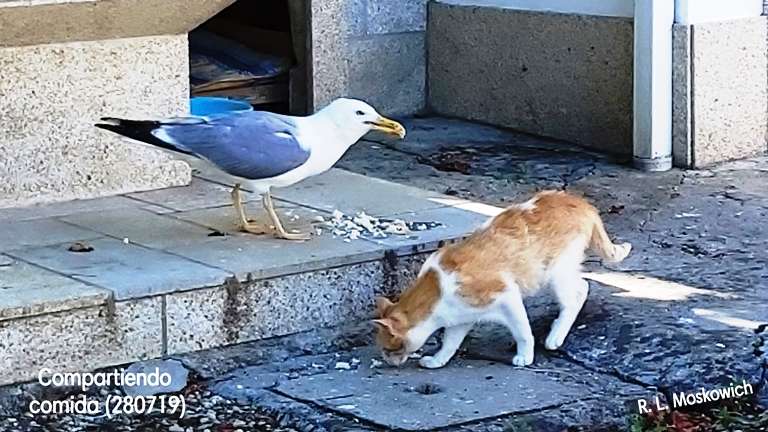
571, 292
452, 338
516, 320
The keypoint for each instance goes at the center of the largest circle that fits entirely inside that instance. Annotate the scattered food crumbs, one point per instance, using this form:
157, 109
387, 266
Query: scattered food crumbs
719, 345
687, 215
414, 356
343, 366
80, 247
126, 241
375, 363
355, 361
363, 225
581, 327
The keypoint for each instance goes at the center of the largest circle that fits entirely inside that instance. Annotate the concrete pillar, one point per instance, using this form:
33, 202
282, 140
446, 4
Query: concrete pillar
652, 131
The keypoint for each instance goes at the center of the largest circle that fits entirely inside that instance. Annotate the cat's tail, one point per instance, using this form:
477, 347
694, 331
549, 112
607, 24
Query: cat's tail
603, 246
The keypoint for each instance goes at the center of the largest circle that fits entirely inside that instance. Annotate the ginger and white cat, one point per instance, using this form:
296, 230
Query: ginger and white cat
485, 278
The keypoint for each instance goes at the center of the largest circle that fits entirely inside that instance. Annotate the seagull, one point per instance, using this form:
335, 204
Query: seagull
263, 149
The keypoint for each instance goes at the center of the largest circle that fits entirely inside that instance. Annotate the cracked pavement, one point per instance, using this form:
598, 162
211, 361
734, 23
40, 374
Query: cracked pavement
677, 315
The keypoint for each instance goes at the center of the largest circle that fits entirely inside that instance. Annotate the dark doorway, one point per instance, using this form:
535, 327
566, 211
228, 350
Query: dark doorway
253, 51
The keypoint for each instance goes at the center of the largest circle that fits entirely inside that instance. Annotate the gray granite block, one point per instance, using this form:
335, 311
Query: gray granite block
729, 90
396, 16
556, 75
682, 144
128, 270
29, 290
389, 72
80, 340
254, 310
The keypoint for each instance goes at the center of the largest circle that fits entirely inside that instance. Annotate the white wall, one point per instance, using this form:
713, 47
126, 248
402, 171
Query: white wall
697, 11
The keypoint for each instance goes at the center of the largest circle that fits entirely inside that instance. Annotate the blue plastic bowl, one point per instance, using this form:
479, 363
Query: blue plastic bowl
205, 106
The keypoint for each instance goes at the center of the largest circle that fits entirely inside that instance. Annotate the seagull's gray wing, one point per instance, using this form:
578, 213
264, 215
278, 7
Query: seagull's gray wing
253, 145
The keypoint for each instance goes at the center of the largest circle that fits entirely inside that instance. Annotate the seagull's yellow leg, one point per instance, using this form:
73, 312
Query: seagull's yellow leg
279, 230
243, 222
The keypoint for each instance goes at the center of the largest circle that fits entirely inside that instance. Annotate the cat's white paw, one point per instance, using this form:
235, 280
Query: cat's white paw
553, 342
622, 251
522, 359
430, 362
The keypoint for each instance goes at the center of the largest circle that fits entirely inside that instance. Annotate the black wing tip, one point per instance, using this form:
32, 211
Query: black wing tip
109, 121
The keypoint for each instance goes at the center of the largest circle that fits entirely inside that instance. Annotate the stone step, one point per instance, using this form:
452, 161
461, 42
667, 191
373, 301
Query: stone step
169, 273
34, 22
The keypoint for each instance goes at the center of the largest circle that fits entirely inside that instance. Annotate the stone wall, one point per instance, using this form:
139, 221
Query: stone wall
372, 50
558, 75
720, 98
65, 64
50, 97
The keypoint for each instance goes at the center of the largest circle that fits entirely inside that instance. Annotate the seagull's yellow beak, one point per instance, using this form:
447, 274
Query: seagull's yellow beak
388, 126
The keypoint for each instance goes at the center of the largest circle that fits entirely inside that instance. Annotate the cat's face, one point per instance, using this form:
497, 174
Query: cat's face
391, 333
404, 327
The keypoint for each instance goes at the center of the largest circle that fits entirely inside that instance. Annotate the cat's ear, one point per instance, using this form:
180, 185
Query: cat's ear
382, 304
389, 325
382, 323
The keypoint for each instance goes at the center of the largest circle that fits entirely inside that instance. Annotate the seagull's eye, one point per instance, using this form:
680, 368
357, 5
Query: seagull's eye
360, 113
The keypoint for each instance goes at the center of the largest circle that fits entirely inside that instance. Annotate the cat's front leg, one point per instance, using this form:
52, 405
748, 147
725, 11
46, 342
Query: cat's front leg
452, 338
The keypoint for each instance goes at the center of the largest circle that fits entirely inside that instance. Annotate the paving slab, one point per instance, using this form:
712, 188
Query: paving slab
40, 232
200, 193
456, 223
65, 208
248, 255
351, 193
128, 270
30, 290
444, 397
143, 227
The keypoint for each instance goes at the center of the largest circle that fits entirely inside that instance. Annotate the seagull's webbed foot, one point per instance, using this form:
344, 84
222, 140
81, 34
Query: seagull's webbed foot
243, 222
280, 231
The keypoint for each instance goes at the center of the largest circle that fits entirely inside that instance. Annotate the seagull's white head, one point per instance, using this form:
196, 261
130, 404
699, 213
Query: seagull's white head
356, 115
